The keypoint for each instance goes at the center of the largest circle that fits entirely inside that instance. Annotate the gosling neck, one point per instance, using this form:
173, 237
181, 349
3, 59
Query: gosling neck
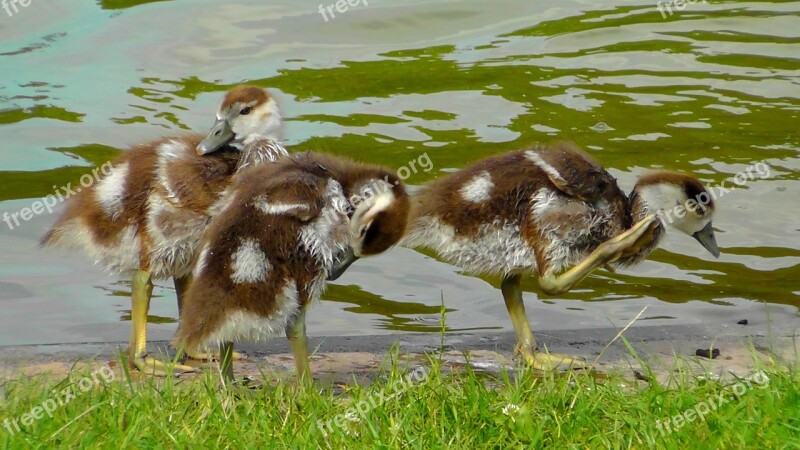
257, 151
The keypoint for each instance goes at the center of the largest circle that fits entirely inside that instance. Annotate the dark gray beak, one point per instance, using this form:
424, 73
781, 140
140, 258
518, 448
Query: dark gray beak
342, 263
220, 134
707, 239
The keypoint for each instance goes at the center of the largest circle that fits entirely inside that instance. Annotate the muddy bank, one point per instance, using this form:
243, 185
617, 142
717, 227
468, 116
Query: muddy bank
341, 360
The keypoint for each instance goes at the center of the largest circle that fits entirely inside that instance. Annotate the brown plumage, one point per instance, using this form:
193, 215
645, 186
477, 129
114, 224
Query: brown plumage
281, 232
121, 220
545, 209
146, 217
576, 173
502, 208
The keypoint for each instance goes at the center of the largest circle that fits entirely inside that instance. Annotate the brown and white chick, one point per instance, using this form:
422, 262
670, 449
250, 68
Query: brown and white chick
545, 209
145, 219
284, 229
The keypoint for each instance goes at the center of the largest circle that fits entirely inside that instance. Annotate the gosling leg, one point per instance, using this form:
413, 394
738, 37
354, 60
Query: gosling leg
298, 341
526, 343
626, 243
142, 291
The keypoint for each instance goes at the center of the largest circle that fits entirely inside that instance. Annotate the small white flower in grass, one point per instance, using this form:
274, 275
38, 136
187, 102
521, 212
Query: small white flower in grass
511, 410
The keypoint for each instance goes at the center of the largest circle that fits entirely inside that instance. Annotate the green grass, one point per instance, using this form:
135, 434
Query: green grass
462, 409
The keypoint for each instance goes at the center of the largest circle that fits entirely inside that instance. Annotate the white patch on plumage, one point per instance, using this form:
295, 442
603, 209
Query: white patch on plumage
328, 234
202, 261
542, 201
249, 263
172, 246
111, 189
497, 248
478, 189
123, 257
241, 325
274, 209
316, 286
542, 164
167, 153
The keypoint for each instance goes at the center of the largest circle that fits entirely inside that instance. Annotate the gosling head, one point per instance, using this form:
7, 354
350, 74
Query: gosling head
681, 202
246, 113
377, 223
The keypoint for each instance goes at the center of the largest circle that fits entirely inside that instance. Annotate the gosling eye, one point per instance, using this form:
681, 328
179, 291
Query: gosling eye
695, 208
363, 231
245, 111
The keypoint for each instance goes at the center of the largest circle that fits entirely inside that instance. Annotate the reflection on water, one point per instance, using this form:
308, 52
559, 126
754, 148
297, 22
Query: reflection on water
710, 90
122, 4
393, 311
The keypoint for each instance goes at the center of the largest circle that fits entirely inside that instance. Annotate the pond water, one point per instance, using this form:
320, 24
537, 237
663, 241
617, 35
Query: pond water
712, 90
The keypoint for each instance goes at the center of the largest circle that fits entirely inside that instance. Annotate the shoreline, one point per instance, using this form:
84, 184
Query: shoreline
341, 358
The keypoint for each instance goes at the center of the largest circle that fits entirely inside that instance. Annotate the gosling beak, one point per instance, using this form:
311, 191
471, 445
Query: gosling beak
220, 134
707, 239
341, 264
